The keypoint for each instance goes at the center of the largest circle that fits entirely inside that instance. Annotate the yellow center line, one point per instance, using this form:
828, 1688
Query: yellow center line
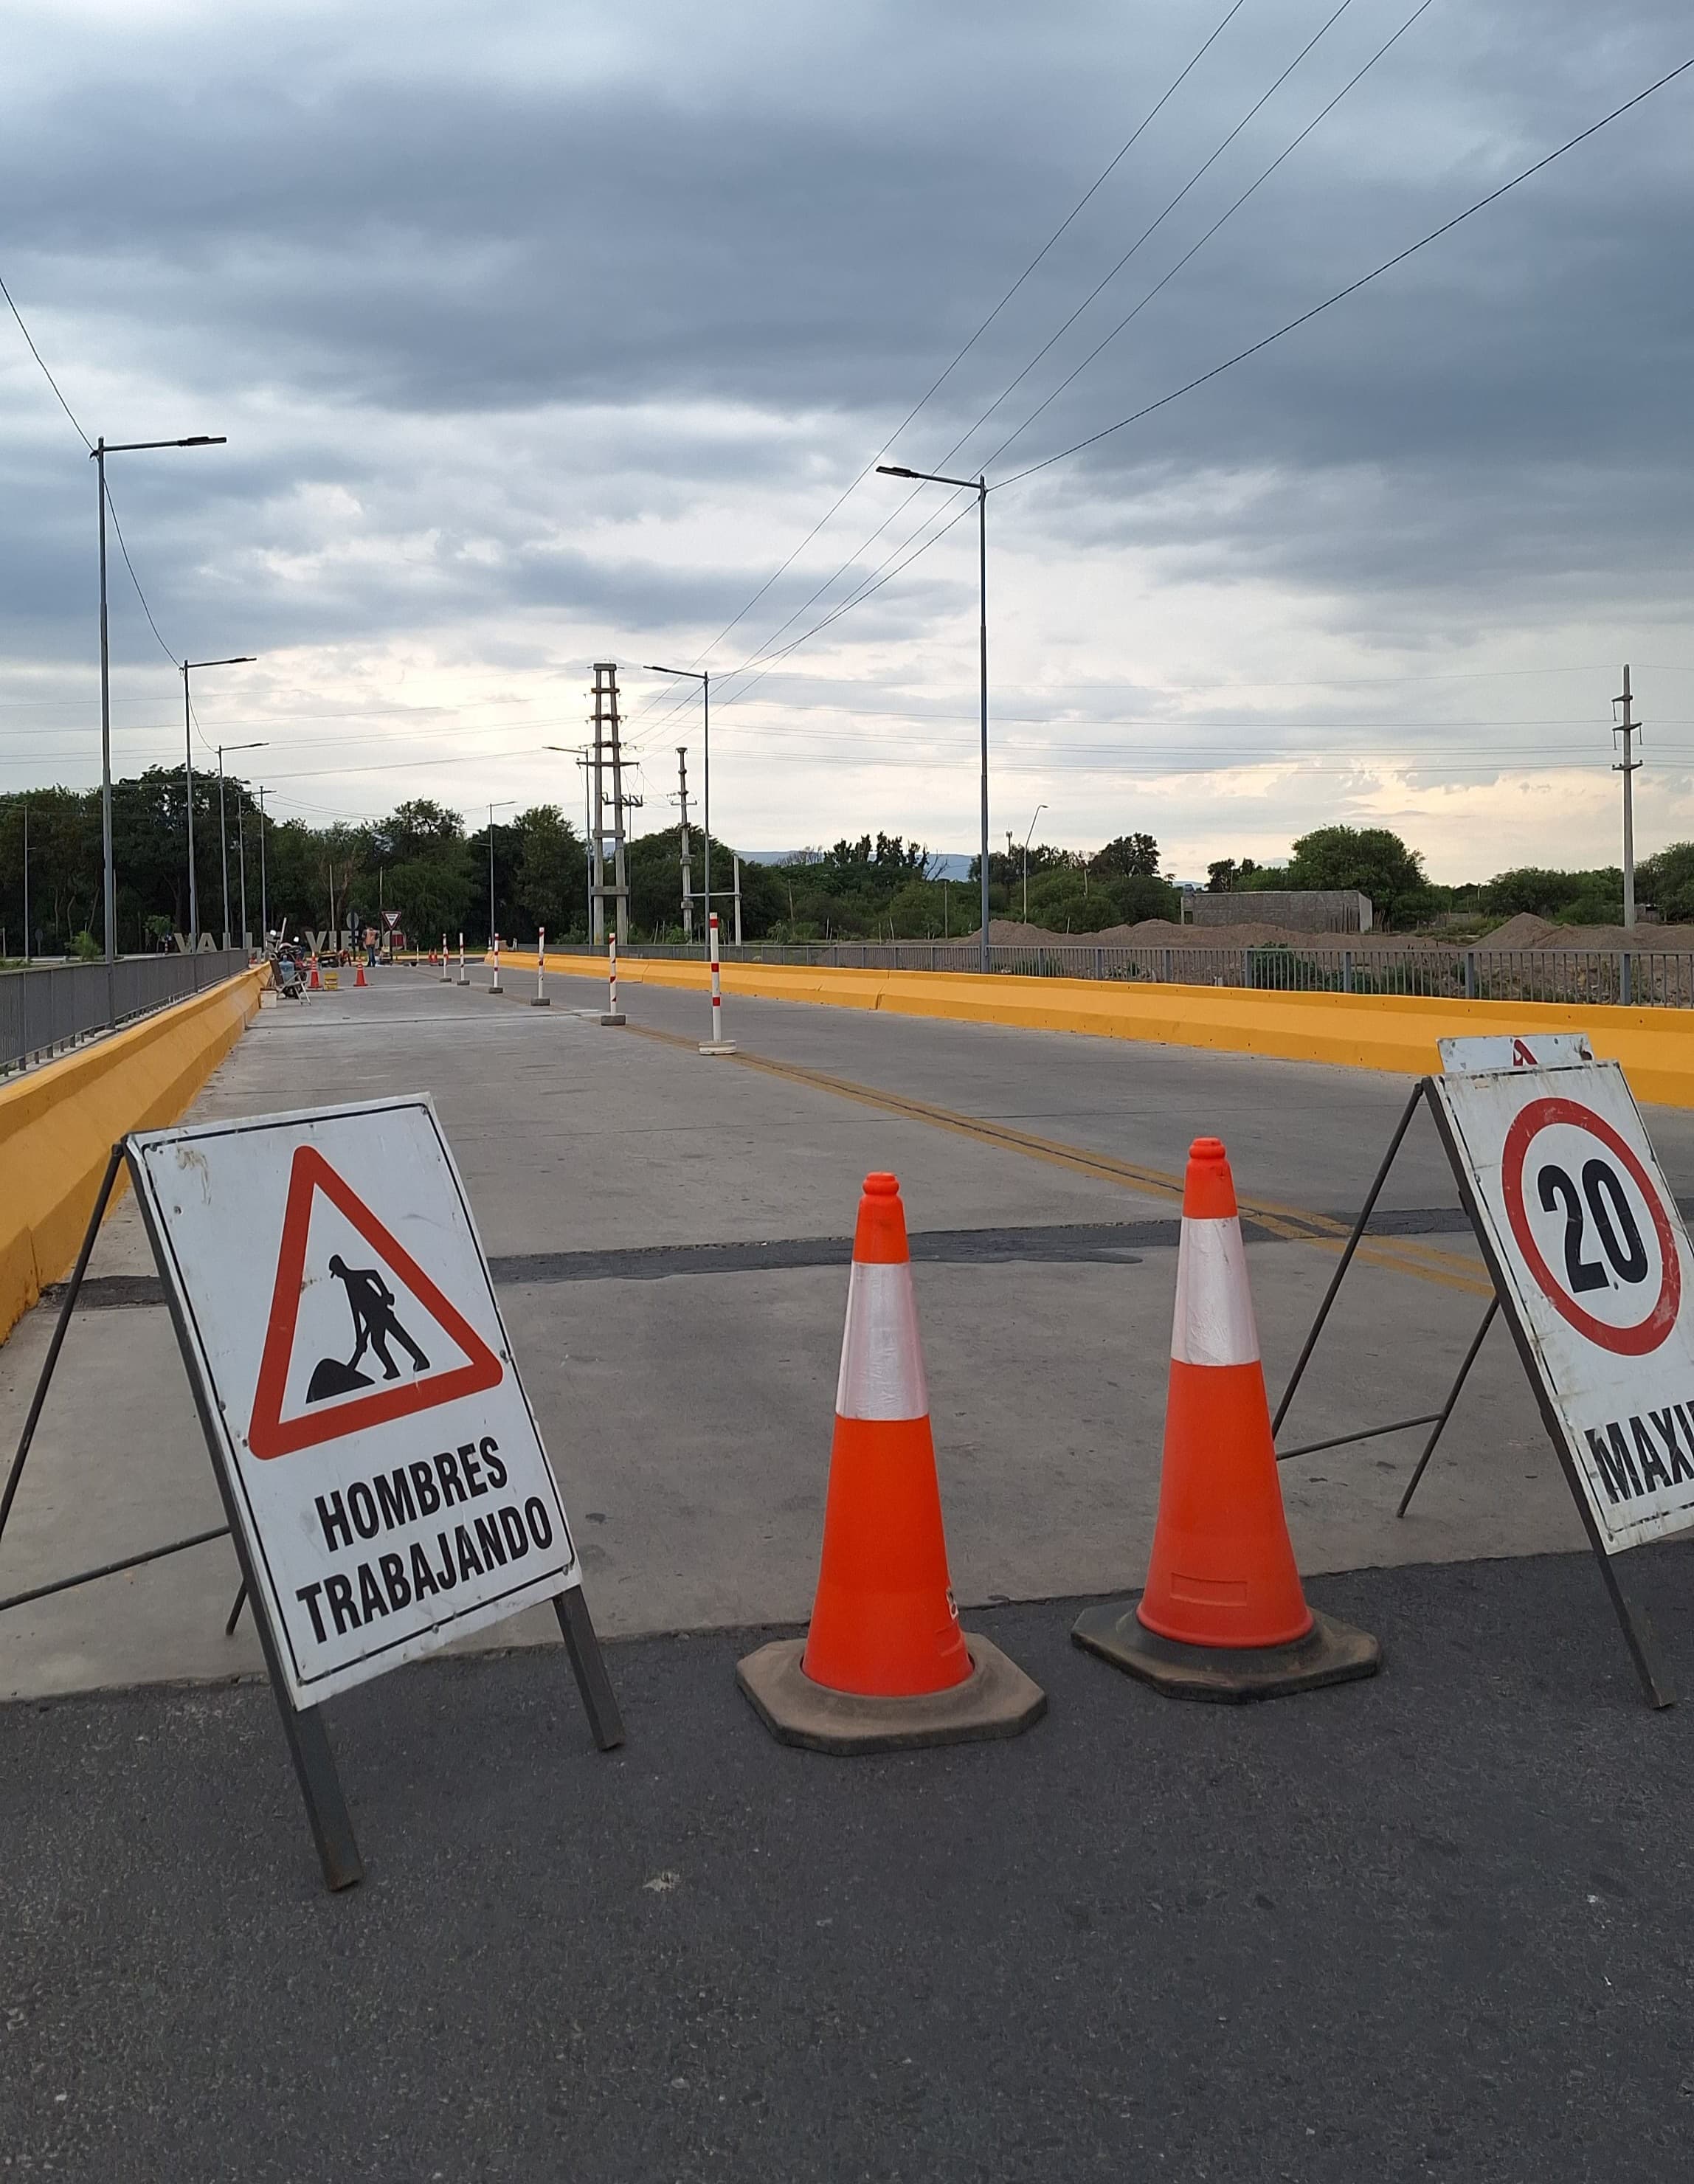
1426, 1262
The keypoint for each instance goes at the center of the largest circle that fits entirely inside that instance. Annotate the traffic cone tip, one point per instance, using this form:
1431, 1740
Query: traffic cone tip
1208, 1187
879, 1234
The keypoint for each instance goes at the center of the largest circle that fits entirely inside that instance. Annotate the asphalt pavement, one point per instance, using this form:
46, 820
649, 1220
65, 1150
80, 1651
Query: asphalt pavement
1433, 1925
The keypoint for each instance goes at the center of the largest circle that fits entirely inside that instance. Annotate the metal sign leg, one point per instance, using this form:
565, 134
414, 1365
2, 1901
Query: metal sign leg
1641, 1638
309, 1747
101, 1200
1446, 1409
599, 1702
1348, 1249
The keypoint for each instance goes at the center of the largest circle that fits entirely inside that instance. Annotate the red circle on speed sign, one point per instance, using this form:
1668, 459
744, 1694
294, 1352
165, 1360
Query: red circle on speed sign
1634, 1340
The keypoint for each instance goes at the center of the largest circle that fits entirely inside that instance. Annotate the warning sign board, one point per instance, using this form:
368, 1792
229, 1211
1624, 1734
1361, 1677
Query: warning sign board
1592, 1263
378, 1451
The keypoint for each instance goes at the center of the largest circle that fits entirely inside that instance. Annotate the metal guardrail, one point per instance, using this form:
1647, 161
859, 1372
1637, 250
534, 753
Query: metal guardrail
41, 1013
1645, 976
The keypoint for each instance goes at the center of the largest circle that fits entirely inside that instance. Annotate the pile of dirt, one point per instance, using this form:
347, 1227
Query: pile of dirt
1525, 931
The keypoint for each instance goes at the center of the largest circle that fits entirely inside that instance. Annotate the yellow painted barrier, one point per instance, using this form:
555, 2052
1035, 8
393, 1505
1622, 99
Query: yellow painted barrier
58, 1124
1359, 1031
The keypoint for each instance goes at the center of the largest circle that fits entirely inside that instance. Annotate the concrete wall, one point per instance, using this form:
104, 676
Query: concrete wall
58, 1124
1301, 910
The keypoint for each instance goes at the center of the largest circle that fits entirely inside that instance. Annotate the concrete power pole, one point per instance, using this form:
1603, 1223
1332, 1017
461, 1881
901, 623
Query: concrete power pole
688, 872
608, 752
1629, 768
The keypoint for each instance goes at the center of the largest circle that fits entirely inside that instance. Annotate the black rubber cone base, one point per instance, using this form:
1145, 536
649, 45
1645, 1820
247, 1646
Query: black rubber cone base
997, 1699
1330, 1653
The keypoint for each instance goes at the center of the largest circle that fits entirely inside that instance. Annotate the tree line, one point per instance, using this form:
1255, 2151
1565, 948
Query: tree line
1379, 863
423, 862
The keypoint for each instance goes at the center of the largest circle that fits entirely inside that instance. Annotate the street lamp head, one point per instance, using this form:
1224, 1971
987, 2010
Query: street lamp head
205, 440
895, 470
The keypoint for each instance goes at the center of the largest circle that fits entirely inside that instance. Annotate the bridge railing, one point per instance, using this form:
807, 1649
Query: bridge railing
42, 1012
1645, 976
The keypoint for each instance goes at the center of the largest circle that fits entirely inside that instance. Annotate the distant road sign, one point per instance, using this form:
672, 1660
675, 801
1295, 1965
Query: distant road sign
386, 1467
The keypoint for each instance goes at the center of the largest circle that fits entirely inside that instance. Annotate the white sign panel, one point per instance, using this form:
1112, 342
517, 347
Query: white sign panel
387, 1473
1551, 1049
1595, 1262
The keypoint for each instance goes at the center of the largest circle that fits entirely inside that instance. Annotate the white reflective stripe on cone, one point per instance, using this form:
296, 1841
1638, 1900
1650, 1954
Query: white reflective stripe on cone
1214, 1321
882, 1360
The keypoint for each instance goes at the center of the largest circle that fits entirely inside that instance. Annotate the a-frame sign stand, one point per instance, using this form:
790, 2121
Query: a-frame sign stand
303, 1727
1633, 1618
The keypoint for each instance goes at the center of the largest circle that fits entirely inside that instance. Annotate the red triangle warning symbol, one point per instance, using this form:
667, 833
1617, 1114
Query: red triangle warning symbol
322, 1411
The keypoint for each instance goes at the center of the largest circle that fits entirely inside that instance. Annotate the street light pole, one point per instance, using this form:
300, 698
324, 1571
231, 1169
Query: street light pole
492, 808
97, 454
703, 677
979, 487
1038, 810
240, 659
240, 858
580, 753
264, 897
223, 845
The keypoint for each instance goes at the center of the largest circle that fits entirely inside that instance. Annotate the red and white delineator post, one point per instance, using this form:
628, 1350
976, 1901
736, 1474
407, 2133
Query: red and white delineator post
541, 1000
717, 1044
495, 988
613, 1014
463, 975
446, 967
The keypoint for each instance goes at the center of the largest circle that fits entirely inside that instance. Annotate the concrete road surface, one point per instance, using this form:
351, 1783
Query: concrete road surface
670, 1236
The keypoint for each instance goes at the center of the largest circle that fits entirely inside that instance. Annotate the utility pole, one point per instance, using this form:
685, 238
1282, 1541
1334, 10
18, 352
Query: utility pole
608, 751
688, 874
1628, 767
264, 897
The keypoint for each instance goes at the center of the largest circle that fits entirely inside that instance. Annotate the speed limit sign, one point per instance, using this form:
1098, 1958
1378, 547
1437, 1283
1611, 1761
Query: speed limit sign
1592, 1262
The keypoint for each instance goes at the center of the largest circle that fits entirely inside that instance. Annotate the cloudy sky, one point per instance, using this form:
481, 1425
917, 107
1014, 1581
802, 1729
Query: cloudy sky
545, 332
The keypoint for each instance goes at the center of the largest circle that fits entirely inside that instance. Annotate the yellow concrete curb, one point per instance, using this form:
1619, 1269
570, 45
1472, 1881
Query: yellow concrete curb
1361, 1031
58, 1123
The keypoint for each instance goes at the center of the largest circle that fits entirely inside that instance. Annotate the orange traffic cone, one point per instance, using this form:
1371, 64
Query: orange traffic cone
885, 1664
315, 984
1223, 1616
361, 980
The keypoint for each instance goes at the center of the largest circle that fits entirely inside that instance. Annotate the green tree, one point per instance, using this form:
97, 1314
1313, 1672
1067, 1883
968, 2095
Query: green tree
551, 880
1130, 856
1371, 859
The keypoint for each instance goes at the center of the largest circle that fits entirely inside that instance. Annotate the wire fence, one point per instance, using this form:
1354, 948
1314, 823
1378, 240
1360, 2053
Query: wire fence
42, 1012
1646, 977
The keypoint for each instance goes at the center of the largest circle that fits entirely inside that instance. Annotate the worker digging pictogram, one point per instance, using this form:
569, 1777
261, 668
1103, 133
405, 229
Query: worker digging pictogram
350, 1391
371, 1302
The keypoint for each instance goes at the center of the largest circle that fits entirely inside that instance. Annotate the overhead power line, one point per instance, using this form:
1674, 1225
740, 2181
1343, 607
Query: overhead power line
1169, 206
1254, 348
46, 374
959, 354
1352, 288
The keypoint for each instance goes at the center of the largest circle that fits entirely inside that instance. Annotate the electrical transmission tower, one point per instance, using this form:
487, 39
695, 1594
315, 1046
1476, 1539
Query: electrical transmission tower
1627, 728
687, 869
607, 757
